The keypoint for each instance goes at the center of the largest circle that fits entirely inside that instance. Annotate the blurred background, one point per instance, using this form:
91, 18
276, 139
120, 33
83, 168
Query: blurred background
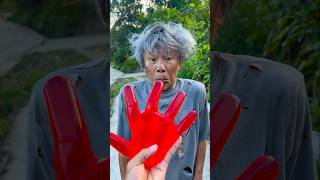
287, 31
38, 37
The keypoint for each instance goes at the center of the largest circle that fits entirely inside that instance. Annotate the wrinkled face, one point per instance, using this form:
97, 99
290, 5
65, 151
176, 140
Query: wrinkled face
163, 65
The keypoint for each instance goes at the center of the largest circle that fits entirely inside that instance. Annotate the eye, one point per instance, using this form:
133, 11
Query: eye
168, 58
152, 59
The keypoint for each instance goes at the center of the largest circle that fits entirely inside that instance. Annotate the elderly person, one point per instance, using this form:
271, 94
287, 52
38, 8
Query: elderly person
161, 49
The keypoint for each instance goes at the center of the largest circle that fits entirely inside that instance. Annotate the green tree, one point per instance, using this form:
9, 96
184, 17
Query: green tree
128, 20
178, 4
284, 31
57, 18
294, 40
244, 29
127, 12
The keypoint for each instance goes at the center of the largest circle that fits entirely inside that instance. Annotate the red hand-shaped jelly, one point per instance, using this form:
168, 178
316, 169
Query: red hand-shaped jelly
150, 127
223, 117
73, 157
263, 168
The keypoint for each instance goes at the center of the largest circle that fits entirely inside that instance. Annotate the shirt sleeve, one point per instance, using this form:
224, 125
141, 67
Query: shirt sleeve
204, 127
39, 146
300, 161
123, 127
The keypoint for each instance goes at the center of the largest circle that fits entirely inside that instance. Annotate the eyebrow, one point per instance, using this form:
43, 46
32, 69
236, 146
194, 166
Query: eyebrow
148, 56
167, 53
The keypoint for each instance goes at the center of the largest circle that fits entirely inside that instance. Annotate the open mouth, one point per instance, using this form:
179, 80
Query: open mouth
164, 80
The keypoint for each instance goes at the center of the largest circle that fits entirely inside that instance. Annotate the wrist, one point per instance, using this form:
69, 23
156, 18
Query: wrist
197, 177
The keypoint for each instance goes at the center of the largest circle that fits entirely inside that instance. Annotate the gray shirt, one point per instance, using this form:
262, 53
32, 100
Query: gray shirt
275, 117
91, 82
180, 167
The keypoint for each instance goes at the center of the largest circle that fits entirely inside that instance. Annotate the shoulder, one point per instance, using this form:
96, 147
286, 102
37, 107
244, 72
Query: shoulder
74, 71
86, 66
271, 73
195, 86
139, 84
135, 85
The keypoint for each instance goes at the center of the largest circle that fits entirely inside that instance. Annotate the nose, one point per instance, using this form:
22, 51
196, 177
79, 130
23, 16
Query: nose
160, 67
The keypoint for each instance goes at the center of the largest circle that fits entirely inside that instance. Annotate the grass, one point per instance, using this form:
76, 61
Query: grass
315, 113
3, 128
115, 87
318, 168
16, 85
7, 6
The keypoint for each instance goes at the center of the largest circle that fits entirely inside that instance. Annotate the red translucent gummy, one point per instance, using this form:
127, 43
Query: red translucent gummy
73, 156
263, 168
150, 127
223, 117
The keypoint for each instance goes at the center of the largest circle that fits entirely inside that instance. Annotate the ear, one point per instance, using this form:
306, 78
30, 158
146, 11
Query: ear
179, 65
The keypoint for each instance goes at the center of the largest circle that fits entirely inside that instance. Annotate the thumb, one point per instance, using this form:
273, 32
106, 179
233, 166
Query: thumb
142, 156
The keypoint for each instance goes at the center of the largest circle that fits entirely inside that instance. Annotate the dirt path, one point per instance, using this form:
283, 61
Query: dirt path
17, 40
16, 146
114, 75
76, 43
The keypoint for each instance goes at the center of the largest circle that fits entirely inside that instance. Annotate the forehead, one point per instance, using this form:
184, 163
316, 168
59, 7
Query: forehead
161, 52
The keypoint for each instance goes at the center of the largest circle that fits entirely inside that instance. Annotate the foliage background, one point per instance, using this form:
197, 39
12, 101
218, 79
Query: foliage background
54, 18
284, 31
131, 18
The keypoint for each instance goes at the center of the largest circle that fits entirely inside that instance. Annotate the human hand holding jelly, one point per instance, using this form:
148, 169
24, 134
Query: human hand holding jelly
136, 170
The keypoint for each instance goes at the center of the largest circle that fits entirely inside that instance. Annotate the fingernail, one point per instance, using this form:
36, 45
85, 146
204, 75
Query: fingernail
153, 148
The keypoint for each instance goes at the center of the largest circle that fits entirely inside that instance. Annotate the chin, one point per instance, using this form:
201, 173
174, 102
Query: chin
166, 86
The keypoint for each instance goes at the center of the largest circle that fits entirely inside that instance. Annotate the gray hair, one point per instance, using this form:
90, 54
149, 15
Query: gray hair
158, 36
